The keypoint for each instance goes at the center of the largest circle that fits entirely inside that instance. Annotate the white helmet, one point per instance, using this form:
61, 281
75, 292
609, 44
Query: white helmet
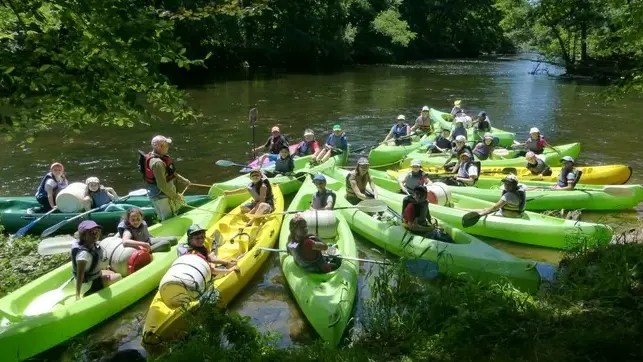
92, 180
461, 138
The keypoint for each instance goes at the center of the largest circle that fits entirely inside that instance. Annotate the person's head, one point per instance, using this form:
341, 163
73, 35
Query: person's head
400, 119
337, 130
567, 162
275, 131
298, 227
362, 165
134, 217
320, 181
531, 157
309, 135
534, 133
416, 166
88, 232
482, 115
445, 133
196, 235
284, 152
510, 183
457, 103
465, 157
419, 193
93, 183
255, 175
57, 169
425, 111
161, 145
459, 122
488, 139
460, 141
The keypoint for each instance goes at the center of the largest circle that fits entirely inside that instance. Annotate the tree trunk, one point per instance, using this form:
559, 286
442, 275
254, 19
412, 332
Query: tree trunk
583, 43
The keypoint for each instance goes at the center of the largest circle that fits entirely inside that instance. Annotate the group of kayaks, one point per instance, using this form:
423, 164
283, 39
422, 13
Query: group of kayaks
31, 323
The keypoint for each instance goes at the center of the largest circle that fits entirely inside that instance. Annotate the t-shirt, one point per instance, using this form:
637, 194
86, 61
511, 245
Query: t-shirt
50, 185
87, 257
513, 201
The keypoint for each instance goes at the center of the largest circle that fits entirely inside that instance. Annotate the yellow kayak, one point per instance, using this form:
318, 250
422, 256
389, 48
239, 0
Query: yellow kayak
161, 320
593, 175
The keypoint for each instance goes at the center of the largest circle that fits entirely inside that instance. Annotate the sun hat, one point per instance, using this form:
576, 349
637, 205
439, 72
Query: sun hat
92, 180
567, 159
194, 228
275, 129
88, 225
51, 168
255, 171
401, 117
534, 130
158, 139
530, 155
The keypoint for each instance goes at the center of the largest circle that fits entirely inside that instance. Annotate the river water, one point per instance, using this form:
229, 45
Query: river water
365, 101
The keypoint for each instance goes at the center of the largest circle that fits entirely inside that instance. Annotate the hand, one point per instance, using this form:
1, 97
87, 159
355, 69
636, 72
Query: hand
77, 297
147, 247
231, 263
236, 269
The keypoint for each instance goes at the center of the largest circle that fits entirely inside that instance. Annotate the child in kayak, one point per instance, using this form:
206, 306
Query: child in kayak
568, 177
423, 122
97, 195
323, 199
356, 182
484, 149
89, 265
417, 218
537, 166
399, 132
196, 245
416, 177
134, 233
458, 130
50, 185
306, 249
513, 201
457, 151
308, 146
261, 192
535, 143
441, 144
482, 122
273, 144
468, 170
284, 165
335, 144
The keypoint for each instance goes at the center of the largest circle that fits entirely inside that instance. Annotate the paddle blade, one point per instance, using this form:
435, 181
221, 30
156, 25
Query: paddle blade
225, 163
372, 206
252, 116
23, 230
501, 152
139, 192
55, 245
45, 302
470, 219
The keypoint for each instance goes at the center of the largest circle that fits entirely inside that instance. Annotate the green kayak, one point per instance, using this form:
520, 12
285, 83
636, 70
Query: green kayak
531, 228
505, 138
287, 184
326, 299
13, 213
469, 256
388, 154
550, 157
23, 336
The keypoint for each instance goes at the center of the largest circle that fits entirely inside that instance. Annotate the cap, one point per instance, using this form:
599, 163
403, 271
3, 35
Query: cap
510, 178
483, 113
461, 138
530, 155
416, 163
534, 130
425, 108
319, 177
337, 127
362, 161
92, 180
275, 129
56, 164
401, 117
488, 135
567, 159
194, 228
88, 225
255, 171
309, 132
158, 139
463, 154
457, 103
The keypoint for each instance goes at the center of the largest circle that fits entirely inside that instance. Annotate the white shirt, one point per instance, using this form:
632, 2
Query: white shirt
87, 257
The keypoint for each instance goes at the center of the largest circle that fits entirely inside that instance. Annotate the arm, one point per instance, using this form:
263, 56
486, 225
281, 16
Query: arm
497, 206
262, 147
131, 243
112, 193
356, 190
212, 258
224, 271
330, 202
370, 182
158, 168
80, 276
291, 165
389, 135
403, 184
238, 191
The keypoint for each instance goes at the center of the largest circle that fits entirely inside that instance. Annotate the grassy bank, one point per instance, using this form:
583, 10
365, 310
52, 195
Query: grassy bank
591, 313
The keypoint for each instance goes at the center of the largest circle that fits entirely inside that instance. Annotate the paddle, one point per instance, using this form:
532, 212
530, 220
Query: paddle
55, 245
53, 229
46, 301
369, 206
471, 218
226, 163
201, 185
23, 230
401, 138
336, 256
252, 117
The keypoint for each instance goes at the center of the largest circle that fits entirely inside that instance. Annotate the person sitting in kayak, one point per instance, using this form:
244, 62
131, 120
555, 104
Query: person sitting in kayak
537, 166
308, 146
417, 219
466, 120
458, 130
535, 143
456, 108
196, 245
97, 195
89, 265
423, 122
356, 182
513, 201
484, 149
306, 249
441, 144
284, 165
263, 201
459, 148
323, 199
399, 132
482, 122
468, 170
50, 185
416, 177
336, 144
274, 143
568, 177
132, 229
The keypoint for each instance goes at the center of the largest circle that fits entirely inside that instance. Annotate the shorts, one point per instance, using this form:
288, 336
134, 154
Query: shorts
273, 157
250, 205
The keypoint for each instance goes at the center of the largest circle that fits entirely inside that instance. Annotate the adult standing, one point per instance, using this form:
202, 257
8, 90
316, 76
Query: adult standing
162, 179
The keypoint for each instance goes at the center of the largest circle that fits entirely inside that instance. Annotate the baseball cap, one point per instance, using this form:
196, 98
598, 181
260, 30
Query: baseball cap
483, 113
465, 154
309, 132
319, 178
416, 163
337, 127
534, 130
425, 108
194, 228
362, 161
401, 117
275, 129
88, 225
567, 159
158, 139
510, 178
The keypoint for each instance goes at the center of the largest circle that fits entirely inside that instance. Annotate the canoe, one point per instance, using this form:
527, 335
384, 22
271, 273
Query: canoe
287, 184
13, 213
388, 154
531, 228
326, 299
588, 197
505, 138
549, 156
593, 175
163, 323
468, 257
24, 336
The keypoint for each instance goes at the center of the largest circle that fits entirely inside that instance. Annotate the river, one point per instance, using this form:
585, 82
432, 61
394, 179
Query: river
365, 101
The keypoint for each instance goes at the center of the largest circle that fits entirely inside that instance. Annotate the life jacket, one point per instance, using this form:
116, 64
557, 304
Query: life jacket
283, 165
538, 168
255, 190
139, 234
463, 171
459, 131
95, 253
146, 170
442, 142
413, 181
361, 183
562, 178
462, 150
422, 124
512, 210
536, 146
484, 125
100, 197
183, 249
483, 151
303, 255
337, 141
276, 145
307, 148
42, 193
418, 209
320, 200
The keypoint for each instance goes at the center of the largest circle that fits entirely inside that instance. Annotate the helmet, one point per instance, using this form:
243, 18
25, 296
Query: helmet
482, 114
362, 161
92, 180
457, 103
461, 138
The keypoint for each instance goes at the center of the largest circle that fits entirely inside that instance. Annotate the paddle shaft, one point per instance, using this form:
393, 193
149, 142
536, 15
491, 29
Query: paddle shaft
252, 117
336, 256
